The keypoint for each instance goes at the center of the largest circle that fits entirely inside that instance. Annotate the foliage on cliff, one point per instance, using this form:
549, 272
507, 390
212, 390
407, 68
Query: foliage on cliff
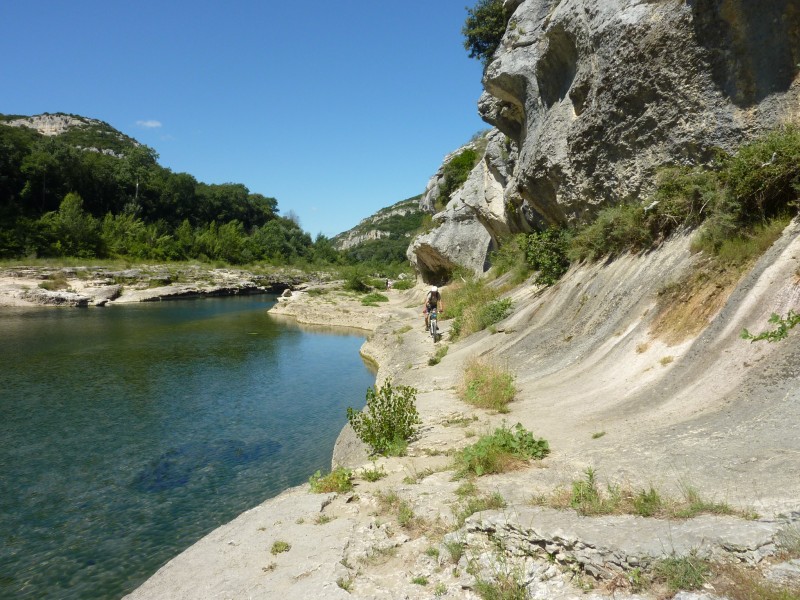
731, 201
456, 172
484, 28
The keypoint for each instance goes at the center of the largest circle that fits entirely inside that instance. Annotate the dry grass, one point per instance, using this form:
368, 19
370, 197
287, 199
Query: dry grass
687, 306
487, 385
587, 498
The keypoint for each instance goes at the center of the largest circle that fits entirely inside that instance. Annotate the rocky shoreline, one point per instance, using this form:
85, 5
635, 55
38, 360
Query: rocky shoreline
101, 286
352, 546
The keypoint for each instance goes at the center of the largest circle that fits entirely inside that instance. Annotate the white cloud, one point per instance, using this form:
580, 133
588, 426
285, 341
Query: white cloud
149, 124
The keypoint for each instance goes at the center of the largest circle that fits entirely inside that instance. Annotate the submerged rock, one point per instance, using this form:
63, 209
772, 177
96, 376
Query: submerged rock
176, 467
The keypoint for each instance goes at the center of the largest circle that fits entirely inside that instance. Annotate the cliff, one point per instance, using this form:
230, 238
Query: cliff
590, 98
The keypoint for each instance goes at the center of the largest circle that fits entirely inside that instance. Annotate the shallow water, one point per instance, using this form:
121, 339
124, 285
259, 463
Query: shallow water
127, 433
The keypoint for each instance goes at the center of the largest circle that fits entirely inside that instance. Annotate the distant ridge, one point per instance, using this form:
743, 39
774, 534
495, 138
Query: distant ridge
81, 132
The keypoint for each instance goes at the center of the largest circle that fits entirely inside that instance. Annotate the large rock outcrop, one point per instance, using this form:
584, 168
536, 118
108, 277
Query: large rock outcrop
595, 95
474, 217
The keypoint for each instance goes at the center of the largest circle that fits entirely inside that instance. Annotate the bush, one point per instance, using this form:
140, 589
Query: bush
487, 386
402, 284
373, 299
500, 451
616, 229
510, 257
731, 202
546, 252
338, 480
354, 282
493, 312
389, 420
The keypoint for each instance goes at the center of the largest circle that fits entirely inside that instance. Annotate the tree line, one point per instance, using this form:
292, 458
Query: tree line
57, 199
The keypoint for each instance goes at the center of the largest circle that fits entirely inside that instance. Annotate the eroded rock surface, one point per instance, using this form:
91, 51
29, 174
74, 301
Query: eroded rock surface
589, 98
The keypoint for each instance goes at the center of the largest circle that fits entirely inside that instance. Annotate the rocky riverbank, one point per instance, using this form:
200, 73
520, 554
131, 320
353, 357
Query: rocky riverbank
713, 441
101, 286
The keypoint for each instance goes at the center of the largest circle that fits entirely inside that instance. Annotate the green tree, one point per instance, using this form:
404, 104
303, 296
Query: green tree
484, 28
74, 231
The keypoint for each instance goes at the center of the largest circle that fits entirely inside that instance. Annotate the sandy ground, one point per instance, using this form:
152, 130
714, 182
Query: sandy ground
595, 378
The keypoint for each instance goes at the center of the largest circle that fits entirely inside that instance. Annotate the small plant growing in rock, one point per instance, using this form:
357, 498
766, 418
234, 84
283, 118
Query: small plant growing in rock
682, 572
389, 420
280, 546
345, 583
783, 325
441, 352
338, 480
501, 451
374, 474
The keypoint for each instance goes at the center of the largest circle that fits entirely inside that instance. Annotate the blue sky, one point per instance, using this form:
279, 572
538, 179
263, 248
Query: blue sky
336, 109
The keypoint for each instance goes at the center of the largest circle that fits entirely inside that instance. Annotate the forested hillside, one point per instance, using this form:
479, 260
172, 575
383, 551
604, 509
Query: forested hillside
91, 191
384, 236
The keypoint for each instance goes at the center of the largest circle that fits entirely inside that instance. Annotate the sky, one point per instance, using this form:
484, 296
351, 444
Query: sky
336, 109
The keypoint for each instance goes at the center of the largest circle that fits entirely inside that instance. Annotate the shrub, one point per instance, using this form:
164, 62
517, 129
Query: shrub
338, 480
389, 419
616, 229
354, 282
730, 201
510, 257
373, 299
402, 284
494, 312
546, 252
486, 385
500, 451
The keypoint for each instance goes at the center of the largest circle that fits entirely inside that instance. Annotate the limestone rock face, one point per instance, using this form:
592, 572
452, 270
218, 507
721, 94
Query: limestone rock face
458, 240
590, 97
475, 217
598, 93
51, 125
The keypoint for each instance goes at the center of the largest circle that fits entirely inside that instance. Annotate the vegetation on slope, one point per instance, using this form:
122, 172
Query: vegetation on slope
740, 206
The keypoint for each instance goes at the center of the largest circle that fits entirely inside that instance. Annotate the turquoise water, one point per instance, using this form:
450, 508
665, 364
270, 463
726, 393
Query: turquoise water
129, 432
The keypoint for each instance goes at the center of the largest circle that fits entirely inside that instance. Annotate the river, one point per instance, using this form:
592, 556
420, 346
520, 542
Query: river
129, 432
